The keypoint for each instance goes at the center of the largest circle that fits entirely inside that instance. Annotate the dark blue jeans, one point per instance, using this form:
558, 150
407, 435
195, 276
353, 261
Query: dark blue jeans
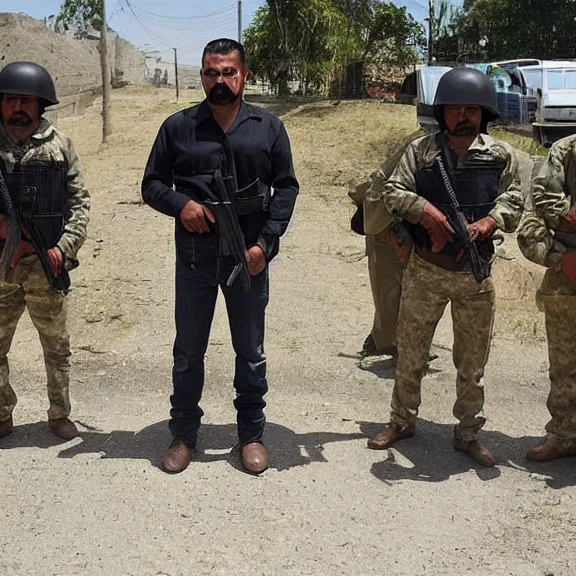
200, 271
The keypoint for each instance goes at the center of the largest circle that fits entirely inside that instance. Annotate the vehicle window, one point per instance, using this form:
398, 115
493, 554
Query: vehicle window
533, 78
570, 80
555, 79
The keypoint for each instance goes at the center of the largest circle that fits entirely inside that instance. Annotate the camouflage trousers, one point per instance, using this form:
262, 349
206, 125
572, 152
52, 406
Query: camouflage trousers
385, 271
426, 291
29, 288
557, 298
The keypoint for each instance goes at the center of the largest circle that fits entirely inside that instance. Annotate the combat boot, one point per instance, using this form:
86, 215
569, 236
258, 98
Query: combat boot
6, 427
389, 434
476, 450
63, 428
550, 449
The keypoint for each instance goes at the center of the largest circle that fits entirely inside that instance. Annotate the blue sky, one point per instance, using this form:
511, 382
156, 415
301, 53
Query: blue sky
184, 24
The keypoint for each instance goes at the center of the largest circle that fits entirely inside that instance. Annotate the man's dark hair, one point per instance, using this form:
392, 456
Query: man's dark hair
224, 46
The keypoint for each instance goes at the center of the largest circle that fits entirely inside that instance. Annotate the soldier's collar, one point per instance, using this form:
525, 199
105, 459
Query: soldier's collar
44, 131
479, 143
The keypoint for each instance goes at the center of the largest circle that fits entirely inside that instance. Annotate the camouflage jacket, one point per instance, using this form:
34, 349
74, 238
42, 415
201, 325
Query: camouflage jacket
47, 143
369, 191
551, 196
401, 197
536, 240
554, 188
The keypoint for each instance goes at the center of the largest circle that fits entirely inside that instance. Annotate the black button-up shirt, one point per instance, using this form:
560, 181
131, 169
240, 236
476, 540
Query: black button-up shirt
191, 146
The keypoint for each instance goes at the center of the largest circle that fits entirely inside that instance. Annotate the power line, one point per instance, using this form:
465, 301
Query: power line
419, 5
195, 17
223, 21
116, 11
199, 27
153, 36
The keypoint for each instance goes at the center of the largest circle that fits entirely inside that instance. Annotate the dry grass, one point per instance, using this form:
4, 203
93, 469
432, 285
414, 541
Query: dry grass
524, 143
516, 283
342, 143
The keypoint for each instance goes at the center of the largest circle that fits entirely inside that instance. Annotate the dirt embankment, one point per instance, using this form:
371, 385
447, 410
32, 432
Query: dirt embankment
73, 63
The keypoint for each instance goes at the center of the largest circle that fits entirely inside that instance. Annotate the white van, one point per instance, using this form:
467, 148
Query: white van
554, 85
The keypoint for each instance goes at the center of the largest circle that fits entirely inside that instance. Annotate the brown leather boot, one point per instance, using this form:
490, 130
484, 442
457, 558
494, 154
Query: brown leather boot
550, 449
177, 456
475, 450
6, 427
255, 458
63, 428
389, 434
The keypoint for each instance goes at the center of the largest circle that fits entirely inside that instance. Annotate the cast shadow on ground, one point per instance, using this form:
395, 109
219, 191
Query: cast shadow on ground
435, 460
287, 448
385, 367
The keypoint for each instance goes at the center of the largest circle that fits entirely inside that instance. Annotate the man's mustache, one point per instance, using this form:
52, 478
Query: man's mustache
222, 94
20, 119
464, 129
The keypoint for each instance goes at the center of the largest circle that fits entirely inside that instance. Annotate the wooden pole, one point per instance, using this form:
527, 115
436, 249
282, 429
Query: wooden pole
105, 67
240, 21
176, 73
431, 19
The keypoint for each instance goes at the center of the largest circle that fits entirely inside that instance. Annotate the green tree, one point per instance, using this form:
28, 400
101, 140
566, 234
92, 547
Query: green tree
447, 41
509, 29
82, 12
313, 41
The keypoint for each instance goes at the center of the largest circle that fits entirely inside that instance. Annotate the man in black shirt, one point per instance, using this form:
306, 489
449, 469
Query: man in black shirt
221, 134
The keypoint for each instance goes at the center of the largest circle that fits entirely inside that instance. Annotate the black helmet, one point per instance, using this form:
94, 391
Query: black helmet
29, 79
466, 87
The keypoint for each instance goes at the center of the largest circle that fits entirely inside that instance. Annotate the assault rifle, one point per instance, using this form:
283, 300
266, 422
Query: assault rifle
479, 267
59, 284
15, 233
221, 204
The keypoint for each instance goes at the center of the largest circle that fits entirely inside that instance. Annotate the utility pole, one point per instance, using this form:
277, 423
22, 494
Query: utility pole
105, 67
176, 72
240, 21
431, 19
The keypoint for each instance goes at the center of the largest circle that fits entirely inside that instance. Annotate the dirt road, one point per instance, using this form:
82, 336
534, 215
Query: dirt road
99, 505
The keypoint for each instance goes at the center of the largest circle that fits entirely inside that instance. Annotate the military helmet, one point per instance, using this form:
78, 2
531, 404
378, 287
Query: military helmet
464, 86
30, 79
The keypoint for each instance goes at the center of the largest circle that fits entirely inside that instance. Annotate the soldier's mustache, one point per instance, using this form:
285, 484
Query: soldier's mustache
20, 119
464, 129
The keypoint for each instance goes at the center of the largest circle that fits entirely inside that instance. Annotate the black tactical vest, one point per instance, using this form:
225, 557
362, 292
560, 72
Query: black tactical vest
39, 193
476, 185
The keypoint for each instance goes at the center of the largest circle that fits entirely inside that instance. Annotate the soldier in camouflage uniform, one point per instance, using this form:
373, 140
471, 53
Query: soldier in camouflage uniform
547, 236
43, 181
484, 175
385, 266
